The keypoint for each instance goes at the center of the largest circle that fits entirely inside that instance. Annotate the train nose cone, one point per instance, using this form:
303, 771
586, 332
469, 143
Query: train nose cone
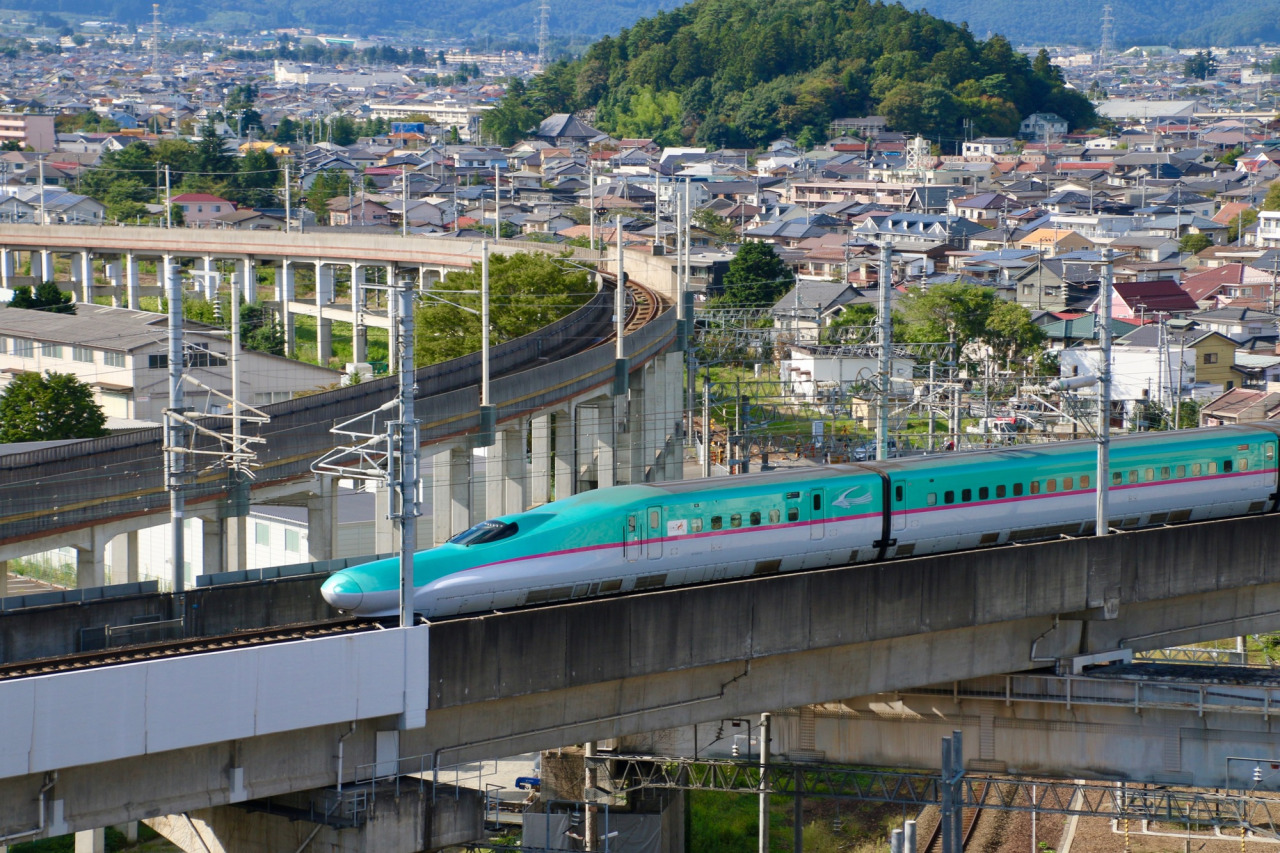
343, 592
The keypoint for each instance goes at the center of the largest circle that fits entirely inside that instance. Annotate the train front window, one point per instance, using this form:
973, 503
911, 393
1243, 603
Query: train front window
486, 531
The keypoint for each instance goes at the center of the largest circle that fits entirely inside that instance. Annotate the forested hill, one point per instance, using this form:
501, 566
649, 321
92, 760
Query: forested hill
1182, 23
731, 73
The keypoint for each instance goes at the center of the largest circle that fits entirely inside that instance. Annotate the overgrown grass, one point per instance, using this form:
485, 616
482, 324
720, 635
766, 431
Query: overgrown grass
148, 840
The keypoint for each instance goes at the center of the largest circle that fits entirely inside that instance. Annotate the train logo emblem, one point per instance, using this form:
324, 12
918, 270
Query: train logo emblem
845, 501
677, 527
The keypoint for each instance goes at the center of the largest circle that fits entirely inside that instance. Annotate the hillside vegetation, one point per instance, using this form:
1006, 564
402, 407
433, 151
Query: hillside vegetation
738, 73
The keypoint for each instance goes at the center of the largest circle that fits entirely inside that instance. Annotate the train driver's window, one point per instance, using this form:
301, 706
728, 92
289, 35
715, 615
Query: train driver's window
1017, 490
695, 525
1068, 484
1226, 466
735, 520
1195, 469
716, 522
1035, 487
774, 516
966, 495
1000, 491
793, 513
931, 499
1213, 468
755, 517
1181, 470
1051, 485
1084, 481
983, 493
655, 518
948, 497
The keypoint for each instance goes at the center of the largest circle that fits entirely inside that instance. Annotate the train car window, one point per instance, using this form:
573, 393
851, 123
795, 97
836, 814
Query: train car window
1017, 490
948, 497
966, 495
695, 525
610, 586
1133, 476
755, 517
1164, 472
1226, 466
716, 522
1000, 491
1195, 469
1244, 464
1269, 451
1068, 484
774, 516
1117, 478
1035, 487
1213, 468
735, 520
931, 499
817, 500
1084, 481
1051, 485
486, 531
631, 523
983, 493
793, 513
1150, 476
897, 492
655, 518
1181, 470
793, 496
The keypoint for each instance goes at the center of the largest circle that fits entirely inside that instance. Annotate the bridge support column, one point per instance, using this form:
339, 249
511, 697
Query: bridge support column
505, 474
6, 267
250, 281
634, 444
111, 270
132, 291
43, 271
600, 424
673, 456
284, 294
321, 525
210, 283
86, 276
91, 840
540, 461
124, 557
214, 545
4, 589
566, 453
324, 328
91, 560
359, 332
450, 492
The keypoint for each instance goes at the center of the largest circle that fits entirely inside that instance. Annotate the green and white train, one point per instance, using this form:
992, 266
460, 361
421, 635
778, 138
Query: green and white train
643, 537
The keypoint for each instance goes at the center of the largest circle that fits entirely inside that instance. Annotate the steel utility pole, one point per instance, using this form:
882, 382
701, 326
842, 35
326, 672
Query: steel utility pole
885, 336
175, 431
404, 444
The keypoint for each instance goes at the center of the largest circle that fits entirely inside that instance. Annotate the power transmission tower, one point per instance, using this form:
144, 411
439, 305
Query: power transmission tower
544, 33
1107, 47
155, 36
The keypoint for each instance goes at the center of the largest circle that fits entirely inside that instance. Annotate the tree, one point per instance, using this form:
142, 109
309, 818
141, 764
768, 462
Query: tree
1272, 201
47, 297
1201, 65
328, 184
1011, 334
756, 277
947, 312
1192, 244
711, 222
527, 291
48, 407
1240, 222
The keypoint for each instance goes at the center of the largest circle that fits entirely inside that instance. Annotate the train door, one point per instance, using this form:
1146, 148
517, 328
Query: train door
817, 515
655, 532
898, 506
632, 538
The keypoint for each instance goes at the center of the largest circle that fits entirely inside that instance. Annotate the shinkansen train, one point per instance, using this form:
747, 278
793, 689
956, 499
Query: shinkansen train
643, 537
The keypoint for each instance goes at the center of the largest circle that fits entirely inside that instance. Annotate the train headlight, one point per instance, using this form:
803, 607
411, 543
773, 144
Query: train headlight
342, 591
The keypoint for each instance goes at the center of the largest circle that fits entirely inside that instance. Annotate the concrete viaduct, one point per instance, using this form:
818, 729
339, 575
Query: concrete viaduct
210, 730
554, 389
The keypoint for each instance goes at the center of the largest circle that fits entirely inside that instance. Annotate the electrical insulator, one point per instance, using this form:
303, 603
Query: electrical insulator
1257, 773
736, 752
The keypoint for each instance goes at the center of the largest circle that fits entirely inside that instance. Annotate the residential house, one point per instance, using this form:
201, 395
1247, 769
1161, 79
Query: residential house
1143, 299
358, 209
801, 313
200, 209
1043, 126
1240, 406
988, 146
